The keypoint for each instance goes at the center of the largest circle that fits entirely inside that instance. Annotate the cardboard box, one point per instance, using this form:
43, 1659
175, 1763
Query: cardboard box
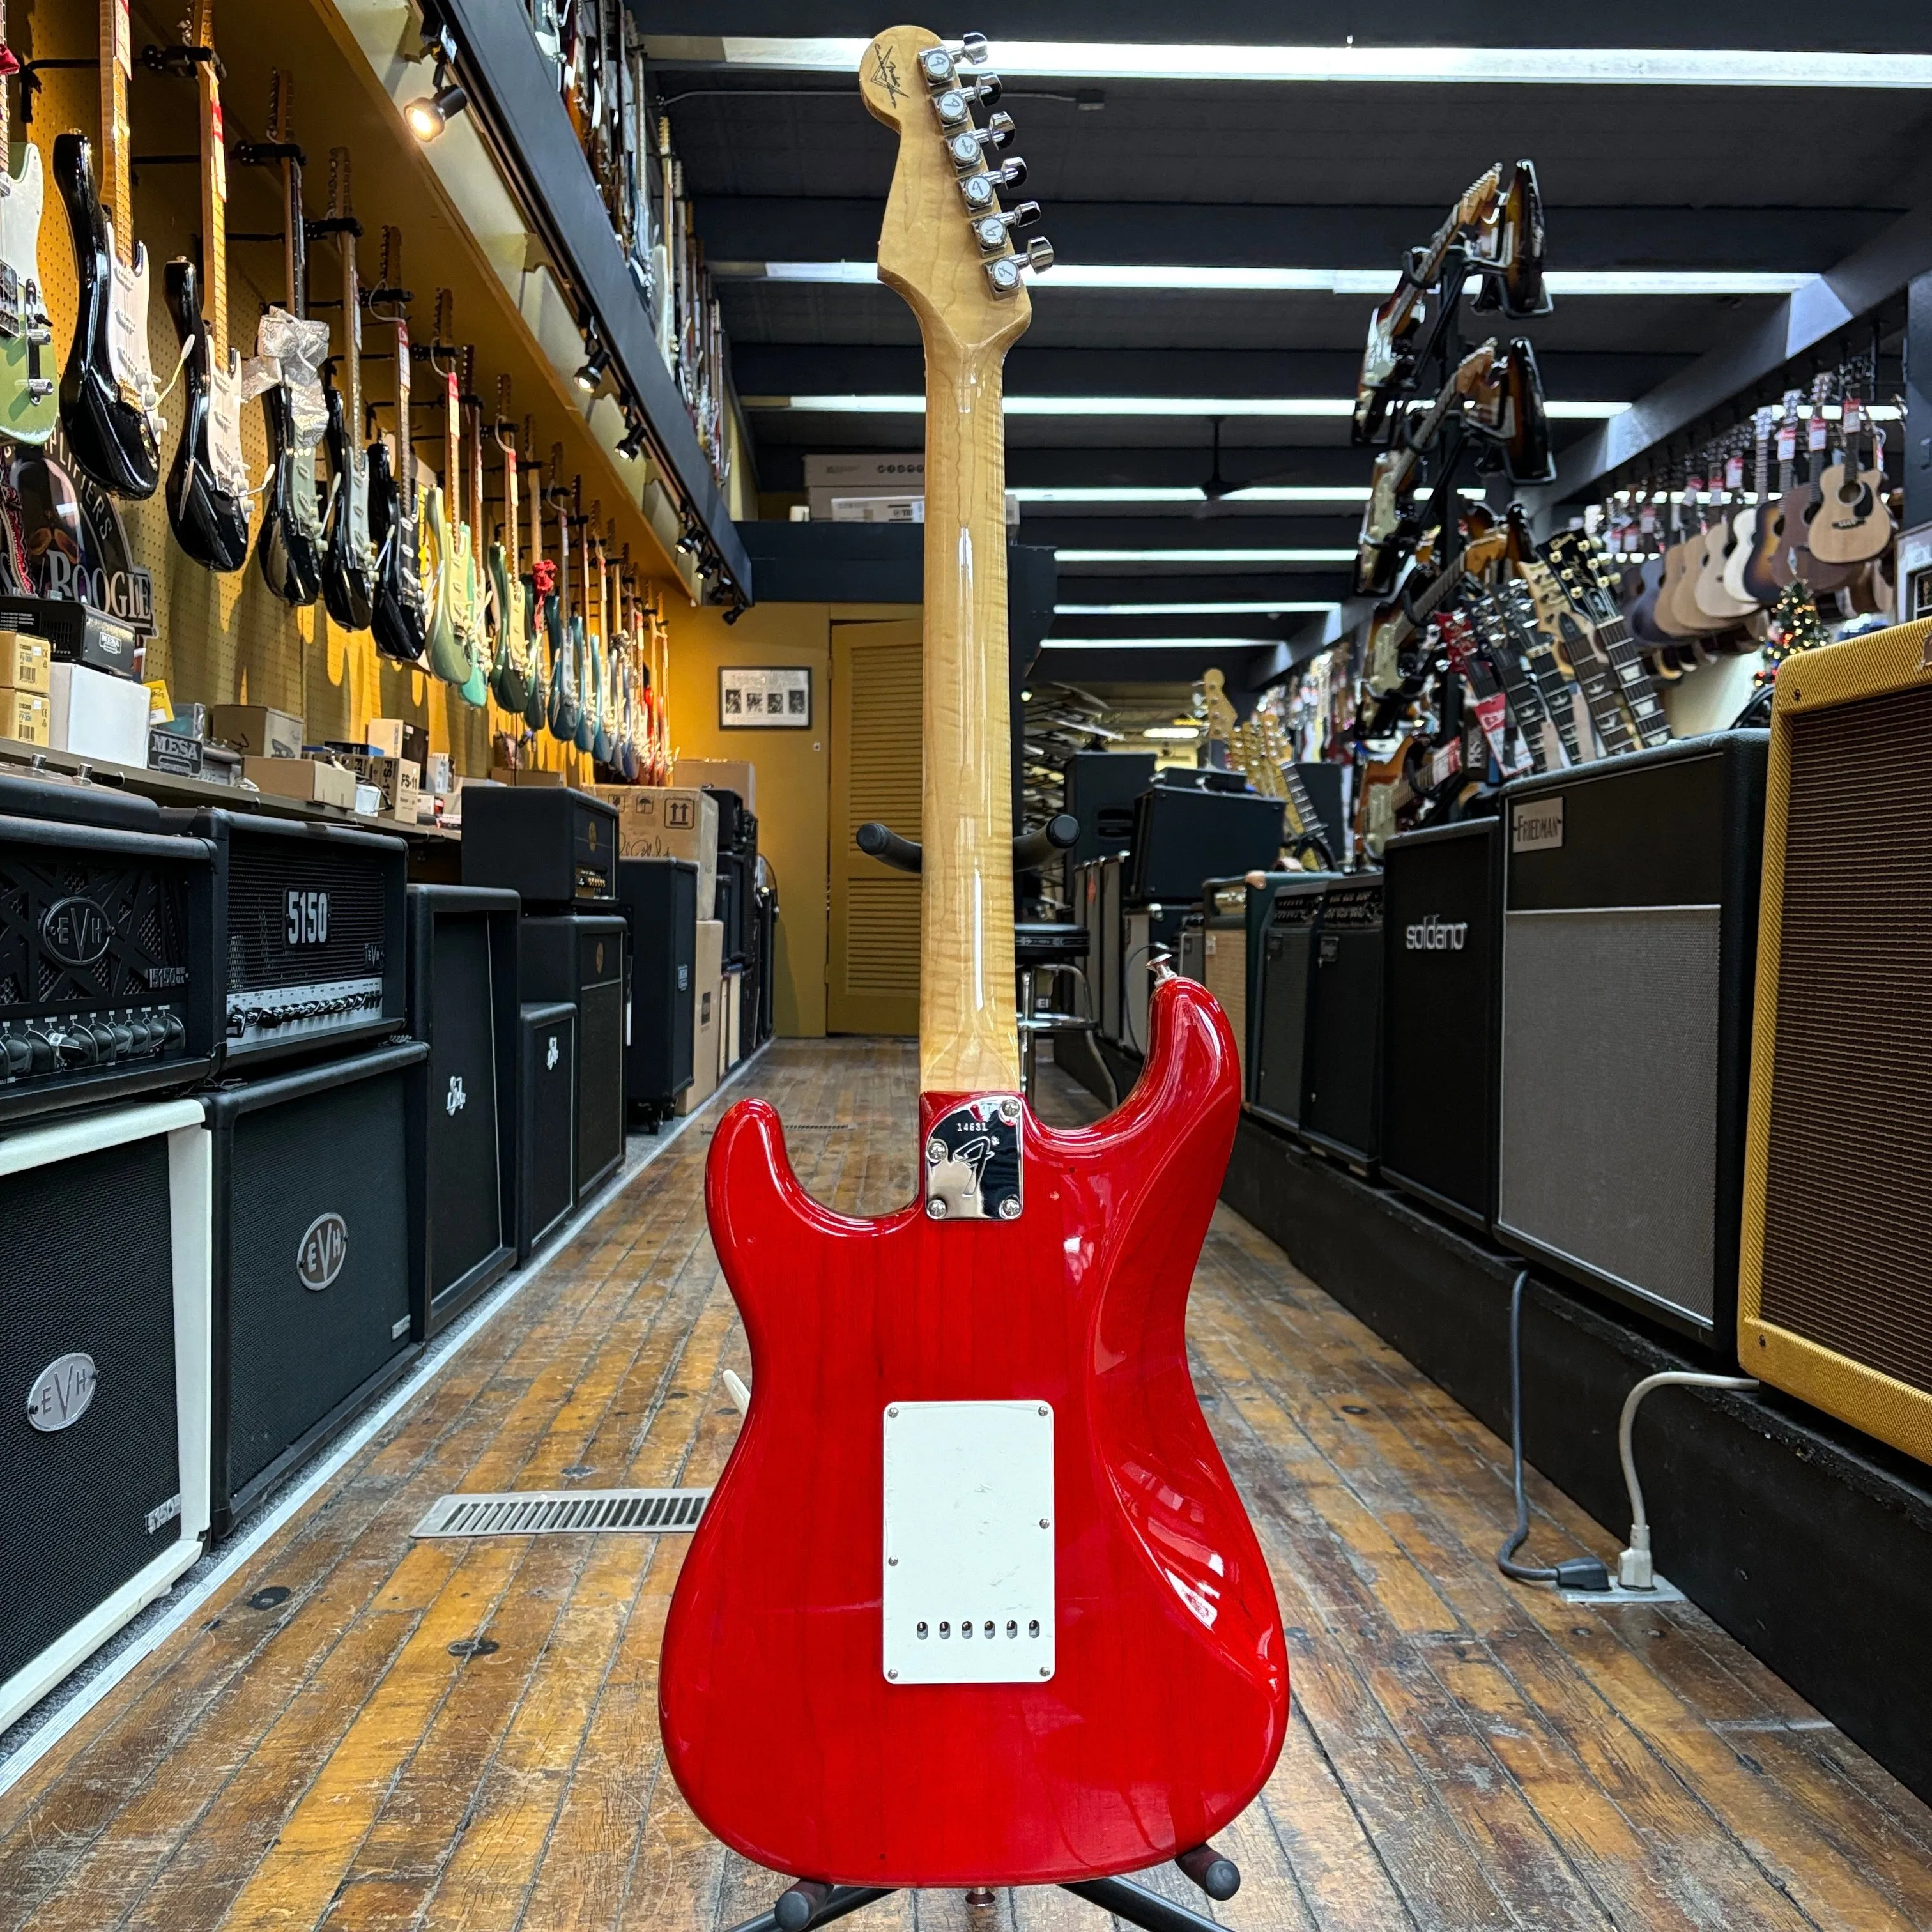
668, 822
256, 730
398, 781
707, 993
26, 662
23, 715
308, 781
516, 776
96, 715
738, 775
734, 1014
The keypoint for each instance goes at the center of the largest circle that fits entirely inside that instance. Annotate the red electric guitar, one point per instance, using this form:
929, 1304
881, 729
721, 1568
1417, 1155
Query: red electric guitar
975, 1602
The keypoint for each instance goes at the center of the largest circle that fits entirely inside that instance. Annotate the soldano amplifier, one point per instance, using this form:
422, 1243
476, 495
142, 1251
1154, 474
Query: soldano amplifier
1630, 935
311, 1261
1441, 992
1288, 940
1835, 1303
298, 937
554, 847
104, 1370
1341, 1107
99, 987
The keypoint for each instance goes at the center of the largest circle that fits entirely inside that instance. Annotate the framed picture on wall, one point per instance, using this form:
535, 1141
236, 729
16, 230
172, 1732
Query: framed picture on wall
761, 698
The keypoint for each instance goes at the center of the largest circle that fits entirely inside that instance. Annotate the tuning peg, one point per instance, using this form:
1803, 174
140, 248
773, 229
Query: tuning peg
992, 230
1039, 254
936, 63
979, 189
973, 47
970, 145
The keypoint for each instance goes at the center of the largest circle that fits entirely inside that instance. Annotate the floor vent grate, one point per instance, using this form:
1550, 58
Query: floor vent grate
565, 1512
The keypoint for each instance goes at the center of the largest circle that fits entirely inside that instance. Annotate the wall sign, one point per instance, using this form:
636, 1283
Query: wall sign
759, 698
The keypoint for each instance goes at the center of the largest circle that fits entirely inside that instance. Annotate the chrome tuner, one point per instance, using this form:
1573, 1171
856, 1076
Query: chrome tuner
992, 230
980, 189
936, 63
973, 47
1039, 254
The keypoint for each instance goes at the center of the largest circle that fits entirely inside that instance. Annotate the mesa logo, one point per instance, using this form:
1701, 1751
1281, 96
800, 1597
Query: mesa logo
75, 931
1436, 934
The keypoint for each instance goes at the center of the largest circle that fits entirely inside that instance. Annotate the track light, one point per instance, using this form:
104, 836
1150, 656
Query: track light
631, 446
596, 364
429, 114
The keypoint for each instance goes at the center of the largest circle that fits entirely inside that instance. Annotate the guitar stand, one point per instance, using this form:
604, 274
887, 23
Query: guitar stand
808, 1904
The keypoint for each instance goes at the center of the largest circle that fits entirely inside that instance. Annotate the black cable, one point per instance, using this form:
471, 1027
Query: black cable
1575, 1572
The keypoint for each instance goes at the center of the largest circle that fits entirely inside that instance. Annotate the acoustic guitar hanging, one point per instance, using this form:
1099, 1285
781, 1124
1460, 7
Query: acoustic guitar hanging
975, 1601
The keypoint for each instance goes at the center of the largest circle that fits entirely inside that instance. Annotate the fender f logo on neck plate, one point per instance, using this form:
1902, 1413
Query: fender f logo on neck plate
973, 1161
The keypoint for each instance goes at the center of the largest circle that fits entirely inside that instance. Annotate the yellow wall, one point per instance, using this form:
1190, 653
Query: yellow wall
794, 768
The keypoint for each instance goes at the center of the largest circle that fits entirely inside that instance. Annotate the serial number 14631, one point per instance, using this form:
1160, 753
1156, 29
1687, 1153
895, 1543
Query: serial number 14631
308, 917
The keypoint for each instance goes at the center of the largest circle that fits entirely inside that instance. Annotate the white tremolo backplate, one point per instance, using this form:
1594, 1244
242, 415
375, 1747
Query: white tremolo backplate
969, 1530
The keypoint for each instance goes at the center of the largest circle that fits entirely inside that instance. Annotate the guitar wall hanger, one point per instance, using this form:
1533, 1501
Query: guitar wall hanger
30, 72
181, 62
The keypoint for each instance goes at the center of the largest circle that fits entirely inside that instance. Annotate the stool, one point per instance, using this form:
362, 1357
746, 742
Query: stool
1057, 952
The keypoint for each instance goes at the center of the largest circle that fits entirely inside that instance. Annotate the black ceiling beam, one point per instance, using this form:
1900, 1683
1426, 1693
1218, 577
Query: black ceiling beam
777, 228
781, 465
1176, 585
1096, 530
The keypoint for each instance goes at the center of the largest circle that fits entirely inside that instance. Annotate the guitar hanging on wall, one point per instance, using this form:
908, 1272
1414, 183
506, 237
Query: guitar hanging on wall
209, 497
349, 555
29, 394
397, 615
110, 404
975, 1601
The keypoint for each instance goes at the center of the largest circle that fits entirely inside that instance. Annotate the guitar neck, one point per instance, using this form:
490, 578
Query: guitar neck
352, 314
117, 161
405, 451
213, 213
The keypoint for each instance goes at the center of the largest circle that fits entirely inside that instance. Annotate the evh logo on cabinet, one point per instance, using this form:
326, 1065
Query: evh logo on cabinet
75, 931
62, 1393
457, 1099
550, 1058
308, 917
322, 1250
1436, 934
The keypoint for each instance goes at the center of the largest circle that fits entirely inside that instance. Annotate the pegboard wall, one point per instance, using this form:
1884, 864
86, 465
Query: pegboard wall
227, 638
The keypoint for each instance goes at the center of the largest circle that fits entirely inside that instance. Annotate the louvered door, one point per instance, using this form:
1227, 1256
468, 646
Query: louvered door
872, 963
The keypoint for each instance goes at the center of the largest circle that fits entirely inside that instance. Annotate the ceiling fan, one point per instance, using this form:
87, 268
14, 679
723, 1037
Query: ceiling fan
1217, 489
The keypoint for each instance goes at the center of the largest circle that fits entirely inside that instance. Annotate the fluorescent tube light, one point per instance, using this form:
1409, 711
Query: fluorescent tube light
1268, 606
1158, 643
1428, 66
1336, 406
1188, 732
1192, 493
1206, 556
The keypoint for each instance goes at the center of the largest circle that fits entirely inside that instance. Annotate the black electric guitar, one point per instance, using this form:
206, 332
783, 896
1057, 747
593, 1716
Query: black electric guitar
291, 545
110, 404
208, 492
1585, 580
349, 553
398, 612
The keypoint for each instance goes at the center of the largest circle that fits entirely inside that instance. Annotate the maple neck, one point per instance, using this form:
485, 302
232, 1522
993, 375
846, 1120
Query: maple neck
341, 206
510, 530
452, 448
536, 517
476, 476
406, 449
214, 212
117, 168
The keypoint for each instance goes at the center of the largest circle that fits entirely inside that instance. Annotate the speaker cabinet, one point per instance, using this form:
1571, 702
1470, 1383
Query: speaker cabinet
1834, 1301
1441, 1000
659, 899
553, 847
311, 1271
768, 961
1224, 963
104, 1368
1630, 935
546, 1122
1184, 835
1342, 1083
1288, 942
463, 1123
1099, 790
580, 959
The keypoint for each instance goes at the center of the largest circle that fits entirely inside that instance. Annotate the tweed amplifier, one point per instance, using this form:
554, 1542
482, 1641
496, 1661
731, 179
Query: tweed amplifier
1149, 931
581, 958
99, 987
311, 1269
546, 1122
553, 847
1833, 1303
659, 897
297, 942
104, 1362
1630, 932
1288, 944
462, 1114
1224, 961
1341, 1107
1441, 987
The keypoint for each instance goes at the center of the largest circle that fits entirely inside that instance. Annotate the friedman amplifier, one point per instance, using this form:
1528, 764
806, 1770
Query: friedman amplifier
297, 934
462, 1117
104, 1362
99, 987
546, 1121
555, 848
1288, 942
659, 898
581, 958
1442, 1002
1341, 1073
1630, 939
311, 1261
1833, 1303
1183, 836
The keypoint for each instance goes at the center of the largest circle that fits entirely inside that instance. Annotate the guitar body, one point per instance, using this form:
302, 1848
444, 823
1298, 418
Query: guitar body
109, 431
1708, 592
291, 545
1768, 569
536, 699
1744, 541
29, 392
349, 553
1799, 505
509, 677
1852, 525
447, 660
1169, 1676
583, 732
600, 736
208, 500
561, 715
396, 615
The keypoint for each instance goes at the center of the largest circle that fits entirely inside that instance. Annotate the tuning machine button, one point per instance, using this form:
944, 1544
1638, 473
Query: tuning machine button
970, 145
982, 190
1039, 256
992, 231
936, 64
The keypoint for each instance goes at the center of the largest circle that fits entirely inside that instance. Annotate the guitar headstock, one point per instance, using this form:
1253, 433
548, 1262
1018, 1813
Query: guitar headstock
1568, 555
947, 245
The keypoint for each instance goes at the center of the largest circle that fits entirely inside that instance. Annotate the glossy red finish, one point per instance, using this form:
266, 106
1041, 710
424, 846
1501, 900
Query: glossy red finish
1166, 1711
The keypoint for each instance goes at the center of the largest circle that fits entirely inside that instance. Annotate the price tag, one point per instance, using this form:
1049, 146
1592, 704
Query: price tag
1787, 442
1854, 415
1817, 432
1734, 470
124, 39
218, 151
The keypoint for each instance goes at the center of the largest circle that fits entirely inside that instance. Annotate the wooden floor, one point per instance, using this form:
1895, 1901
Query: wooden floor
1465, 1754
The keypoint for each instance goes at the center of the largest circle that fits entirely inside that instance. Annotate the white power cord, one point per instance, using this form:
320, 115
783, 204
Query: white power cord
1635, 1571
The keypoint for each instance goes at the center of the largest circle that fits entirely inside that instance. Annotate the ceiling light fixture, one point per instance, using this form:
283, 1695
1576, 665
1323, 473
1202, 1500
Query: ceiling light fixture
1189, 732
1427, 66
631, 445
1336, 406
596, 363
430, 113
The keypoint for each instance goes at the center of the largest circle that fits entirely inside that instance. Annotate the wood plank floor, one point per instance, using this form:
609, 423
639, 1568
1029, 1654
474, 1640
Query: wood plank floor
1464, 1754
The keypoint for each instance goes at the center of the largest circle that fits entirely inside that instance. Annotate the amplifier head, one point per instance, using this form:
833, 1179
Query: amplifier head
1834, 1303
1630, 926
1183, 836
301, 927
1288, 939
554, 847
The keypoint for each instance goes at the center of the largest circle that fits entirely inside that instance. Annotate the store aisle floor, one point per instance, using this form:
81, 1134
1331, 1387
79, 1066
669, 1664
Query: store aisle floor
1464, 1754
